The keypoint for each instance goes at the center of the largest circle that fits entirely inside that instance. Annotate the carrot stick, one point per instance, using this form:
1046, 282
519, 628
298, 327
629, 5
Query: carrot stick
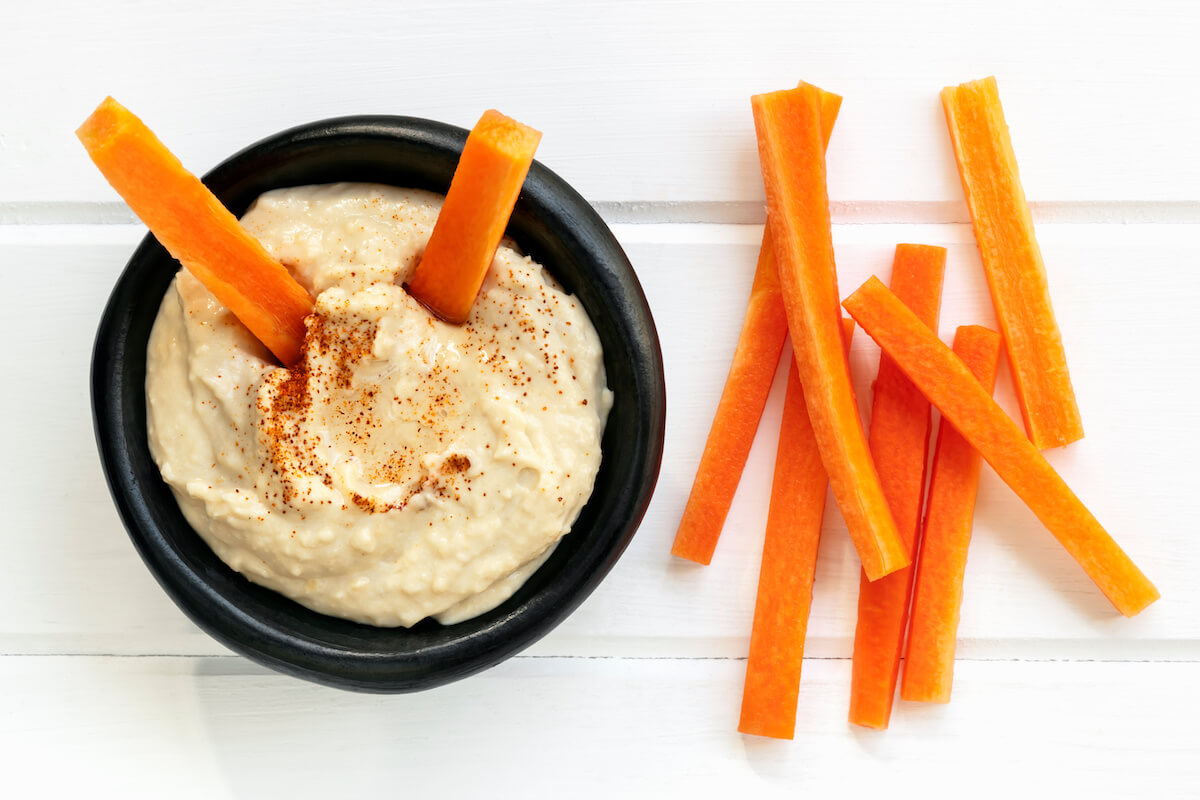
482, 194
788, 125
949, 385
738, 413
1012, 260
899, 439
789, 563
196, 229
743, 398
937, 593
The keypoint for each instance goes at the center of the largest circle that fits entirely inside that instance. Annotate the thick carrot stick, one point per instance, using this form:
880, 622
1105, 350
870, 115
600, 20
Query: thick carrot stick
899, 439
196, 229
1012, 260
937, 591
788, 125
789, 563
947, 382
482, 194
743, 398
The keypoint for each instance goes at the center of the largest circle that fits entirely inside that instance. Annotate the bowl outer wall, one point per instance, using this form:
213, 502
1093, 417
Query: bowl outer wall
555, 226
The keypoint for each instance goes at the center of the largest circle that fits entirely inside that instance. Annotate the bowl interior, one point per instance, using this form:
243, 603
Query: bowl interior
555, 226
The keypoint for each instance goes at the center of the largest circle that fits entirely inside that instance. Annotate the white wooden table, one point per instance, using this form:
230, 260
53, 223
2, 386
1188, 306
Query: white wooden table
105, 688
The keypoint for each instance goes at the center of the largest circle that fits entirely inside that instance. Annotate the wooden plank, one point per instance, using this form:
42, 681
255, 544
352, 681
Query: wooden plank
1123, 325
1125, 296
215, 728
641, 103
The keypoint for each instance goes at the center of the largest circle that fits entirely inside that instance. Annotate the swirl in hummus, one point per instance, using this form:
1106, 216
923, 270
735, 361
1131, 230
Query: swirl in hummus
404, 468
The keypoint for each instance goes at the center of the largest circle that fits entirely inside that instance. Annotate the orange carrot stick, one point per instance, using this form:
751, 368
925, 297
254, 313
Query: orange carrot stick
788, 125
743, 398
789, 563
947, 382
738, 414
196, 229
899, 439
482, 194
1012, 260
937, 592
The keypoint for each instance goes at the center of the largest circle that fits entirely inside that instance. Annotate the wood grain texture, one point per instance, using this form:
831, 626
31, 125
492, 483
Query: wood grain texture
1124, 294
217, 728
1086, 87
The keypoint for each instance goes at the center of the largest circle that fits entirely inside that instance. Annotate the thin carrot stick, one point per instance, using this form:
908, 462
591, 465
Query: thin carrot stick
945, 380
1013, 263
743, 398
482, 194
793, 166
738, 413
899, 439
196, 229
789, 563
938, 589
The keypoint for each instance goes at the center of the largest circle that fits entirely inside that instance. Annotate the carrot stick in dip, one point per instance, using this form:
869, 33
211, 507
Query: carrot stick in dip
899, 439
789, 563
938, 589
1012, 260
792, 157
743, 398
195, 228
948, 383
482, 194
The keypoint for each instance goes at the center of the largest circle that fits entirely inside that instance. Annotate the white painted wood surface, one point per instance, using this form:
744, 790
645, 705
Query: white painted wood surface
557, 727
645, 108
642, 101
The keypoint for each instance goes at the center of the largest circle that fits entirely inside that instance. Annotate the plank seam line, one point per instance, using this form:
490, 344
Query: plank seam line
902, 212
1015, 659
844, 212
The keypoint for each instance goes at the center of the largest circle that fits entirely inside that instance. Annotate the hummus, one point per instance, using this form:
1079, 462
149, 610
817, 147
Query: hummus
404, 468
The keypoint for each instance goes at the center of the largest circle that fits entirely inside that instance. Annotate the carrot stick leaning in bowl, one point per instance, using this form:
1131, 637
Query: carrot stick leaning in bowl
792, 158
789, 563
482, 194
745, 395
899, 439
948, 383
195, 228
938, 588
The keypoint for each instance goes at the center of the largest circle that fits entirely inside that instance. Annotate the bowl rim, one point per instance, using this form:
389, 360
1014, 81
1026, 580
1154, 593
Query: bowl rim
508, 630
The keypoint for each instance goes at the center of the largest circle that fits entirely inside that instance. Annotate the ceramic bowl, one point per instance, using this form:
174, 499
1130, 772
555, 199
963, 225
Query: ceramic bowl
554, 225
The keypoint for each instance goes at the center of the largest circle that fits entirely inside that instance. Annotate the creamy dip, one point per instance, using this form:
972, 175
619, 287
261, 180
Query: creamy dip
404, 468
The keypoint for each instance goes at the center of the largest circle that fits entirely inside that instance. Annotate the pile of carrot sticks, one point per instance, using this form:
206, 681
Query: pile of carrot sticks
911, 534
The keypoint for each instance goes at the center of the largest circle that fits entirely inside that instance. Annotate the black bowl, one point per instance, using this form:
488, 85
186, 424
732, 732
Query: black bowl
554, 225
